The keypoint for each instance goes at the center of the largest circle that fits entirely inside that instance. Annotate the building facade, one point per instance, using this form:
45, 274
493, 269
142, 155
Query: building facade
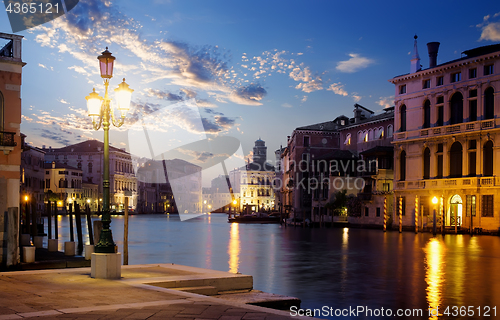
447, 140
303, 146
65, 182
88, 156
256, 182
32, 174
11, 65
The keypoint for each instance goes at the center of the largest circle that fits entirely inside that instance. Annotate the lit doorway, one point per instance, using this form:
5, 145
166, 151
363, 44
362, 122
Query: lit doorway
454, 215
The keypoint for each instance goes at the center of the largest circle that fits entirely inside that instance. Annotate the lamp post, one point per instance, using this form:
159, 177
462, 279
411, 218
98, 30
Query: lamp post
102, 114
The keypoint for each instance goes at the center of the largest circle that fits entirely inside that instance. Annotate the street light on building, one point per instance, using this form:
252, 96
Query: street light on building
102, 113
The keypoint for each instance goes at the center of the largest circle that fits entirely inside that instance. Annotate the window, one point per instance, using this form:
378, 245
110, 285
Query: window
90, 157
470, 205
79, 156
90, 167
440, 114
439, 161
47, 183
402, 127
488, 158
456, 160
488, 70
472, 164
402, 166
439, 81
455, 77
402, 89
427, 114
456, 108
57, 157
79, 166
390, 130
366, 212
306, 141
472, 73
347, 139
427, 163
378, 211
65, 157
473, 105
426, 84
489, 103
386, 187
487, 207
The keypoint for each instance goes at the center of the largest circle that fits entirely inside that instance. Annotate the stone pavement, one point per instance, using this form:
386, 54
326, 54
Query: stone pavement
72, 294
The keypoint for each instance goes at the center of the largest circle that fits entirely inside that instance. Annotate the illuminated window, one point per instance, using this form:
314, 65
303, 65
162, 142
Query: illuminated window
347, 139
487, 206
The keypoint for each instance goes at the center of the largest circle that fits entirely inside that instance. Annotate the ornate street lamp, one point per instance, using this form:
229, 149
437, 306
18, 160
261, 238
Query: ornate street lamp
102, 113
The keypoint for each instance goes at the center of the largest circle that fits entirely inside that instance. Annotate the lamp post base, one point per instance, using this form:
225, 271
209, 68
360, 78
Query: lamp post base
106, 266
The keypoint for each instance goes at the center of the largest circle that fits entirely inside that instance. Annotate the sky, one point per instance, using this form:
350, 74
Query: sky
253, 69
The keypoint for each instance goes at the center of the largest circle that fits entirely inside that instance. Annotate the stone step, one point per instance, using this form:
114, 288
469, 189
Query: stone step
204, 290
240, 282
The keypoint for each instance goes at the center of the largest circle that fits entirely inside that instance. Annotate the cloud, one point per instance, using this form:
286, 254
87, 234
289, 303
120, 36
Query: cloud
491, 32
63, 101
355, 97
163, 95
386, 102
308, 81
286, 105
354, 64
338, 88
248, 95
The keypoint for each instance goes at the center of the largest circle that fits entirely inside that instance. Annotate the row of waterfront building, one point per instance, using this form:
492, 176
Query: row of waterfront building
440, 139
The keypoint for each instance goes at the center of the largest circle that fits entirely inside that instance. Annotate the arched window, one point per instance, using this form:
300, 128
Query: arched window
488, 158
79, 166
347, 140
370, 135
456, 160
390, 130
365, 136
489, 104
360, 136
457, 108
402, 166
427, 114
402, 115
427, 163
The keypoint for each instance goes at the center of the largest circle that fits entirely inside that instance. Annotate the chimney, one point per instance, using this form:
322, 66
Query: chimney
357, 113
433, 48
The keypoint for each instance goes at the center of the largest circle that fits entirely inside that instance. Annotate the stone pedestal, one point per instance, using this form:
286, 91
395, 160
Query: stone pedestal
106, 265
29, 254
89, 249
38, 241
69, 248
25, 239
53, 245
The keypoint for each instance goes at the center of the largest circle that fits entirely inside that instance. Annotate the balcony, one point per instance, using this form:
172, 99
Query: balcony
7, 142
446, 130
453, 183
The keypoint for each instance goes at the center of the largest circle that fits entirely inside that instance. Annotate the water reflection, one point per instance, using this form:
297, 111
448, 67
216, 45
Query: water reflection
234, 248
435, 264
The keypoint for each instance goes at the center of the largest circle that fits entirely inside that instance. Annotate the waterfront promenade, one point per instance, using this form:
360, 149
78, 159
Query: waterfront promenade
140, 294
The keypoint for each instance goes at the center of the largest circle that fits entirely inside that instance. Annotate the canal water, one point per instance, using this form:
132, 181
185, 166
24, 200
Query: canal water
339, 269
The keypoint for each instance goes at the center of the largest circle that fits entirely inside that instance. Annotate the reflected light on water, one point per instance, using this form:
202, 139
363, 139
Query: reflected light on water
434, 275
234, 248
345, 238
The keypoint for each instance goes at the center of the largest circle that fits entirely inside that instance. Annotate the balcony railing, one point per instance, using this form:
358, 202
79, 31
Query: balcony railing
467, 182
7, 139
451, 129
